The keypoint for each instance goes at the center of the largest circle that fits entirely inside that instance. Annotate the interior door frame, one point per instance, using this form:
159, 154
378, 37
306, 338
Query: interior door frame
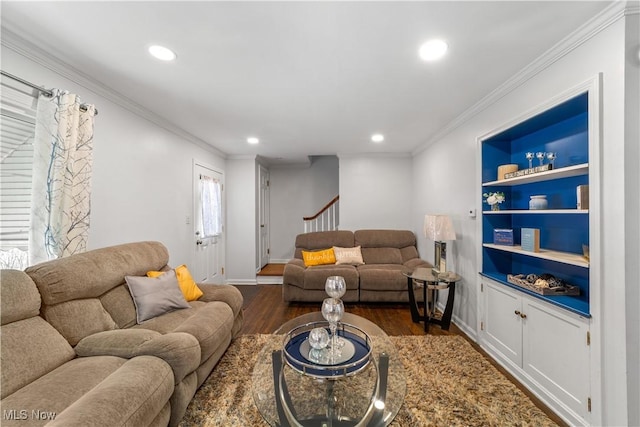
263, 217
222, 242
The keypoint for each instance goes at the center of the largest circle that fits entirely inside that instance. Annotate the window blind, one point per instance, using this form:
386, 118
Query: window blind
17, 128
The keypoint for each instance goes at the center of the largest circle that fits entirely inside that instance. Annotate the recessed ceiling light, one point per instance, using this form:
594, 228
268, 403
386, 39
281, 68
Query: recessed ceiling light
253, 140
162, 53
377, 137
433, 50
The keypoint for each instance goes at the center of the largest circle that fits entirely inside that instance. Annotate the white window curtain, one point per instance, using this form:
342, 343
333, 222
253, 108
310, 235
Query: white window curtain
211, 193
61, 197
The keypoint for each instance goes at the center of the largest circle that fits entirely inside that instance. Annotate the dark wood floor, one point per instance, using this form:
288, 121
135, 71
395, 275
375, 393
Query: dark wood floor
264, 312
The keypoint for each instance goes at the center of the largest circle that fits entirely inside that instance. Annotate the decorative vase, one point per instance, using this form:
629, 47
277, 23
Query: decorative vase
538, 202
495, 207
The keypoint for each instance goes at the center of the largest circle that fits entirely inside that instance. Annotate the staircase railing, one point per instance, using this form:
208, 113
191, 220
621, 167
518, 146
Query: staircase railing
326, 219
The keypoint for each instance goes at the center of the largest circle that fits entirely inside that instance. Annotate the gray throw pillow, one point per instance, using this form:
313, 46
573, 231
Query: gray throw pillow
154, 296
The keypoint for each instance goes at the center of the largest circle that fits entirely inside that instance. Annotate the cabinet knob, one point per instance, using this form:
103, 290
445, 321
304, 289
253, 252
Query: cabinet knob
522, 315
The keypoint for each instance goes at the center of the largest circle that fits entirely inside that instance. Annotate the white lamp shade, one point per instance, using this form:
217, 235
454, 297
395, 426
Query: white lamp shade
438, 228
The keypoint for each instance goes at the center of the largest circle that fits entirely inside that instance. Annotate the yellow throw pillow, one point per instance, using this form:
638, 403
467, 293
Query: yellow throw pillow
188, 286
319, 257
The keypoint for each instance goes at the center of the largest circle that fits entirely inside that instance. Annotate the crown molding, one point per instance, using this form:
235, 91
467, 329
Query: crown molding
565, 46
242, 157
374, 155
16, 43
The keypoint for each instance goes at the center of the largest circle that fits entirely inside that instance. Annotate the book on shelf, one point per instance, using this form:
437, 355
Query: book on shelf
530, 239
528, 171
582, 196
503, 236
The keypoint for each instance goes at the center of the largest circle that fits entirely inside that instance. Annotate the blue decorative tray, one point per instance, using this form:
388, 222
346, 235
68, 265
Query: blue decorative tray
357, 351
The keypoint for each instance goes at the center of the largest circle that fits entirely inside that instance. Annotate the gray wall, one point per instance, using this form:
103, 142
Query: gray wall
296, 192
375, 191
241, 198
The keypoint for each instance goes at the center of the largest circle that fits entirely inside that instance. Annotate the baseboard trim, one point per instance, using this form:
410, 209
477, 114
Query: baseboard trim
240, 282
269, 280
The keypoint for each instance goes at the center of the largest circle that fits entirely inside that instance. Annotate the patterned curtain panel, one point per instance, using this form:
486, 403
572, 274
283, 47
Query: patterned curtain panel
61, 197
211, 206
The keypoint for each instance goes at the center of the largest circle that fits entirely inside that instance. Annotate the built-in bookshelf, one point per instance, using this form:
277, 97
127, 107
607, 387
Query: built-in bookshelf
564, 229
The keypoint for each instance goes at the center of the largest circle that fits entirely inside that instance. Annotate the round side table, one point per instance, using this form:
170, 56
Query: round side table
428, 280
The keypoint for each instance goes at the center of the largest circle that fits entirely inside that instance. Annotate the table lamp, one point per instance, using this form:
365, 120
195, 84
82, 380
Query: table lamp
439, 228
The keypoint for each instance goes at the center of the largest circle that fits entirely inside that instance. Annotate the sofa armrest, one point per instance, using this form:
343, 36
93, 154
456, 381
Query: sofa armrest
417, 262
294, 272
145, 383
224, 293
179, 349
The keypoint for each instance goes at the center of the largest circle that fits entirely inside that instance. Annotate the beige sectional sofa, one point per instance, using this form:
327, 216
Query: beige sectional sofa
94, 365
386, 255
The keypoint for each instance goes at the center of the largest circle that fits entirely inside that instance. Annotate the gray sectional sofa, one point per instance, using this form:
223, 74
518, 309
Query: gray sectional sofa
386, 255
71, 344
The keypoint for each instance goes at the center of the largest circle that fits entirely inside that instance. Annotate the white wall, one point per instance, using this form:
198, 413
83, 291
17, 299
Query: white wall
142, 173
297, 192
632, 210
446, 180
241, 220
375, 192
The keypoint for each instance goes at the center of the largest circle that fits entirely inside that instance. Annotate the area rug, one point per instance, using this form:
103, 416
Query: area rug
448, 384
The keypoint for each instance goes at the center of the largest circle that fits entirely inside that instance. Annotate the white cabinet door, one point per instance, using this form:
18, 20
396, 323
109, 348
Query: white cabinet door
555, 353
502, 327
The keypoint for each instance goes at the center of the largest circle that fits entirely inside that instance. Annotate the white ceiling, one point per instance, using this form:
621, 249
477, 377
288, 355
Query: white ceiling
307, 78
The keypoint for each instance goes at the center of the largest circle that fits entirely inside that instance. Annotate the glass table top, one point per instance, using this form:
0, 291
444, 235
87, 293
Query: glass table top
302, 400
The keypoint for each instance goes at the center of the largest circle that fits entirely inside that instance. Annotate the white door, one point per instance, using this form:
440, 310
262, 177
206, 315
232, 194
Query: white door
208, 231
502, 324
556, 353
263, 234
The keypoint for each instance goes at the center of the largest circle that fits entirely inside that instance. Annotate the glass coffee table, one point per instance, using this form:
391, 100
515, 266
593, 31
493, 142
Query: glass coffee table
371, 396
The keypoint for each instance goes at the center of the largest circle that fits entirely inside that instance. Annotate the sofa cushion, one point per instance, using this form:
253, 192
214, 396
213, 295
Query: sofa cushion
351, 256
154, 296
323, 257
30, 349
210, 323
322, 240
20, 297
384, 238
225, 293
30, 346
408, 253
119, 304
382, 277
91, 274
315, 277
381, 255
78, 319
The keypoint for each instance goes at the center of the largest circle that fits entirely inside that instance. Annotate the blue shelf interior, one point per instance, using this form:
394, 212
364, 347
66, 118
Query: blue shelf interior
564, 130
